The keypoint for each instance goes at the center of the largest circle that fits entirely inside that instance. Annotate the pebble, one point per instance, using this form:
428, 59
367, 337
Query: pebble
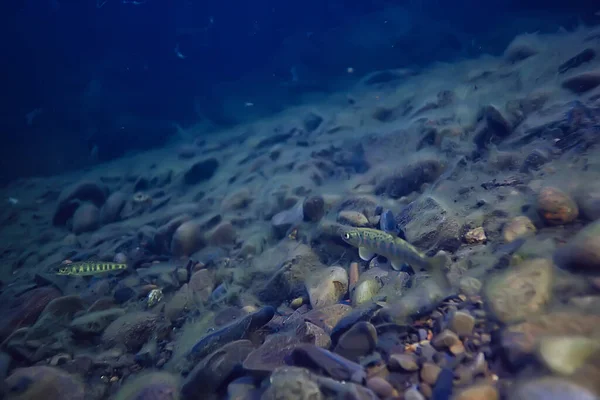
406, 362
429, 373
475, 236
381, 387
445, 339
462, 323
518, 227
479, 392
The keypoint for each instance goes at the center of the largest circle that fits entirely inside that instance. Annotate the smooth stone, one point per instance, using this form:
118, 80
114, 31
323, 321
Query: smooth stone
429, 373
462, 323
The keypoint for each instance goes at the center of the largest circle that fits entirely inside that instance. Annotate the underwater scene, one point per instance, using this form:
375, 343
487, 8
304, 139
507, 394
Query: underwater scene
278, 200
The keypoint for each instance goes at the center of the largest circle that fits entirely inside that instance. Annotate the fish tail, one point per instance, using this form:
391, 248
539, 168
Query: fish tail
438, 262
437, 268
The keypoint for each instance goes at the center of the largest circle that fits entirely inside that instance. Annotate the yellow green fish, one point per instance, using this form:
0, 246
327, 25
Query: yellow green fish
372, 241
87, 268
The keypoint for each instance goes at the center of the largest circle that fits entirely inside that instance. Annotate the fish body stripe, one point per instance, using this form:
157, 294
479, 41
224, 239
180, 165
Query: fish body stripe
90, 268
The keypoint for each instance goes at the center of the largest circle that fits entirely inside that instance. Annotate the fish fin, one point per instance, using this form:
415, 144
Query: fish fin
397, 265
365, 254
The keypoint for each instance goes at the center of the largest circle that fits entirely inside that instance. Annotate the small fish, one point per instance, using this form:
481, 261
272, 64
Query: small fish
154, 297
88, 268
398, 251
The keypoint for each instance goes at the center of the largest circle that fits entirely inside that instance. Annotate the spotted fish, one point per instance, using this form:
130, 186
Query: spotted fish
87, 268
398, 251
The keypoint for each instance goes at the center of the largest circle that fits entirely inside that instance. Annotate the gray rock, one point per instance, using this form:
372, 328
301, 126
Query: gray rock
430, 225
409, 179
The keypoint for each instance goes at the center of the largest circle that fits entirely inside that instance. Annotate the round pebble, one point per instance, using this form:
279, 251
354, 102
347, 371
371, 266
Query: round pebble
430, 373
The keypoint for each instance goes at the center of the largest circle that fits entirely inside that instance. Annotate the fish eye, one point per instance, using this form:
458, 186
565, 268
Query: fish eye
346, 236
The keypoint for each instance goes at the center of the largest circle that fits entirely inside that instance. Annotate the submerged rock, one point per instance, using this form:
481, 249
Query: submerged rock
24, 310
582, 252
409, 179
293, 263
214, 370
518, 227
133, 330
556, 207
94, 323
150, 386
327, 287
292, 383
188, 238
582, 82
86, 218
239, 330
431, 225
551, 388
522, 291
271, 354
201, 171
41, 382
111, 210
71, 197
314, 208
520, 341
565, 354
